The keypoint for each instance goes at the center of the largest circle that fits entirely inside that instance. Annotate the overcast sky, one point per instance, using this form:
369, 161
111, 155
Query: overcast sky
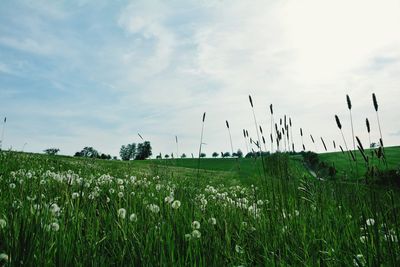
96, 73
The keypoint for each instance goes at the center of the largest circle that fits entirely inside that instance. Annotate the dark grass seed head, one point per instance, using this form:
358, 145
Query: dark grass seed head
348, 102
375, 101
339, 125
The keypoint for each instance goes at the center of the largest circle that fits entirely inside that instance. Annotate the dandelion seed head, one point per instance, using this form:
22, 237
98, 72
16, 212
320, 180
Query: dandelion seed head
122, 213
370, 222
196, 234
176, 204
239, 249
212, 221
3, 223
196, 225
133, 217
54, 226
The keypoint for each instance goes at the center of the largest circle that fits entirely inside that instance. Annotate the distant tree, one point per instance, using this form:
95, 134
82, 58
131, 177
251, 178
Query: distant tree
203, 155
158, 157
183, 156
172, 155
222, 154
226, 155
51, 151
215, 154
128, 152
104, 156
88, 152
166, 156
115, 158
373, 145
143, 150
239, 153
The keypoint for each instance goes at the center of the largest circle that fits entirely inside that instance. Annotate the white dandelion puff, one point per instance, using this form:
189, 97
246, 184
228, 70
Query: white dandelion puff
133, 217
370, 222
196, 234
195, 225
154, 208
122, 213
3, 223
169, 199
120, 194
212, 221
176, 204
239, 249
3, 257
54, 226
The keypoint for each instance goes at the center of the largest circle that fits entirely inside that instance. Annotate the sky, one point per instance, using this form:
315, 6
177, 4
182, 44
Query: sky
97, 73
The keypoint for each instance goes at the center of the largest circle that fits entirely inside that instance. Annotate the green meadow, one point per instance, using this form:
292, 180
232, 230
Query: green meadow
67, 211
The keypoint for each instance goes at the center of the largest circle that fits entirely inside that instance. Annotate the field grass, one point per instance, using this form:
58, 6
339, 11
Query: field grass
341, 161
79, 212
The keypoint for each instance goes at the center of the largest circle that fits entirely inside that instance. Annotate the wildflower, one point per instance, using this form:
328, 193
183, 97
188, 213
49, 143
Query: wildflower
158, 187
176, 204
260, 202
120, 194
188, 236
154, 208
12, 185
359, 260
122, 213
75, 195
120, 181
42, 182
239, 249
108, 199
3, 223
212, 221
169, 199
111, 190
370, 222
296, 212
54, 226
133, 217
3, 257
55, 209
195, 225
196, 234
121, 187
363, 238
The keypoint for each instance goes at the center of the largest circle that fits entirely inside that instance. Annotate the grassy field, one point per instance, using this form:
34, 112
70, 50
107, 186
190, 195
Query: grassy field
341, 161
79, 212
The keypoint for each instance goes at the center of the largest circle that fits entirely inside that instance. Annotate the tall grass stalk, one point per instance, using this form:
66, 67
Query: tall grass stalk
177, 146
259, 141
272, 126
201, 144
2, 132
315, 146
375, 102
323, 142
245, 140
339, 125
291, 133
302, 140
369, 131
349, 106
